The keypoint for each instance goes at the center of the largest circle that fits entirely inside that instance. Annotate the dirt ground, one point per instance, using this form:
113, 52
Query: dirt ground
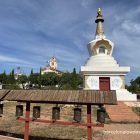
9, 126
116, 131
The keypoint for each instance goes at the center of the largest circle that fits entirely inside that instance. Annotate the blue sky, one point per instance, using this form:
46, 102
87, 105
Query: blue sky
32, 31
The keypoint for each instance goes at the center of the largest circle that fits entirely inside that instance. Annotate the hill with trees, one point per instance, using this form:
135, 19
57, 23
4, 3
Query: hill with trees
67, 80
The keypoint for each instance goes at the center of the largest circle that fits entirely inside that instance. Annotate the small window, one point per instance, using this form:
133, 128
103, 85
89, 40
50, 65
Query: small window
102, 49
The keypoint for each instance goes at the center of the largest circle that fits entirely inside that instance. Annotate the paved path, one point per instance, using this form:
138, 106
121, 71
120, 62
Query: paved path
8, 138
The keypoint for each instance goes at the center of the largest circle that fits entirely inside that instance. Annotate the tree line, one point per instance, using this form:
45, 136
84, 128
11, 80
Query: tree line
67, 80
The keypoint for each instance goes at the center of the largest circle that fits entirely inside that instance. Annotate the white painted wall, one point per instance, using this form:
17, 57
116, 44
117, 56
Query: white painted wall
115, 82
93, 82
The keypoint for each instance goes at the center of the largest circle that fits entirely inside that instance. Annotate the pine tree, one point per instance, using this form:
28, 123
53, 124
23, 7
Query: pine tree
39, 81
31, 72
74, 79
11, 78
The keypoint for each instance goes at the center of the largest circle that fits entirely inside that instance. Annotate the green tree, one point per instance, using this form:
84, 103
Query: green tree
65, 81
44, 79
80, 81
22, 79
3, 78
32, 72
74, 79
11, 78
34, 79
70, 80
133, 87
39, 80
137, 81
52, 79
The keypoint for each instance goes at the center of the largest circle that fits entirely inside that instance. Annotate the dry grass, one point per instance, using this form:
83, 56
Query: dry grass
41, 131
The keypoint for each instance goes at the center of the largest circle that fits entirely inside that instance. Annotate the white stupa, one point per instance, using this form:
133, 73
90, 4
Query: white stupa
101, 71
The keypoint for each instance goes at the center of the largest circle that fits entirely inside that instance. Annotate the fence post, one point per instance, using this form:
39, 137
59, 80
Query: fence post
27, 117
89, 128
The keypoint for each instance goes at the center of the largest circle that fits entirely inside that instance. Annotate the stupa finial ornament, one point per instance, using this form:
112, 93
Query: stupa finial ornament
99, 12
99, 28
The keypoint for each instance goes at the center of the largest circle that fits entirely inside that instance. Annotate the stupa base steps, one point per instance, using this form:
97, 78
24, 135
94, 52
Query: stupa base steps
125, 95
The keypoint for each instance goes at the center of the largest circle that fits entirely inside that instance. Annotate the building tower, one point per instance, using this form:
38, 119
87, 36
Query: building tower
101, 71
51, 67
53, 63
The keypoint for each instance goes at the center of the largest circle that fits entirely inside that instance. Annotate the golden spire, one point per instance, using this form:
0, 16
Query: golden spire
99, 12
99, 20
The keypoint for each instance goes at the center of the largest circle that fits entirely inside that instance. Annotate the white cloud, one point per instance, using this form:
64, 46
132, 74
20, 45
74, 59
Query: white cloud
131, 27
9, 59
34, 30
